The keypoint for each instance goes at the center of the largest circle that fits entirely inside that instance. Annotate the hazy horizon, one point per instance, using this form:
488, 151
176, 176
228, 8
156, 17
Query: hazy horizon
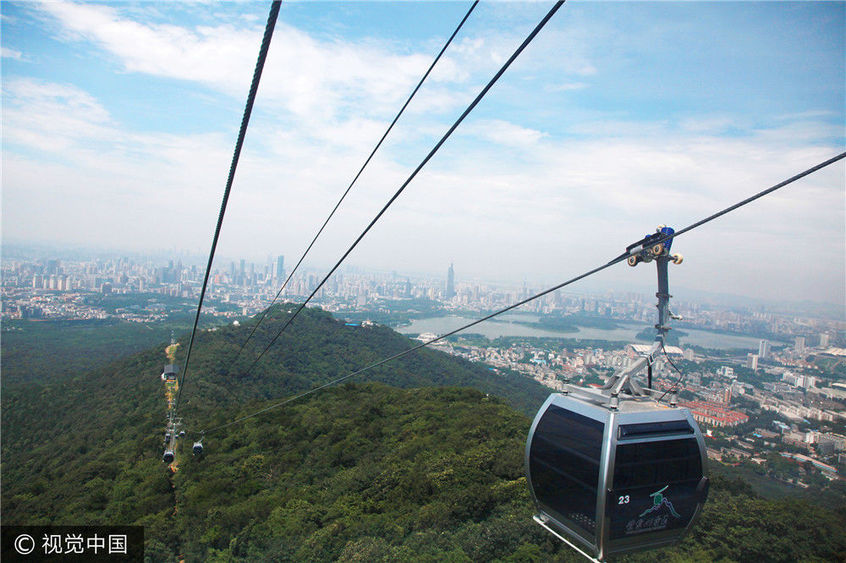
640, 285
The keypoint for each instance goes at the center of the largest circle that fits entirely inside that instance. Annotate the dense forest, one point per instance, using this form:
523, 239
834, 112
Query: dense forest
421, 459
42, 351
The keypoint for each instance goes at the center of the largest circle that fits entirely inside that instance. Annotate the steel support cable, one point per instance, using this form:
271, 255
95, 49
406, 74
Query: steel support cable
245, 121
355, 179
420, 166
598, 269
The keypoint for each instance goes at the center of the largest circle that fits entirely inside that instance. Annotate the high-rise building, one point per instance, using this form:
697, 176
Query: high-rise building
764, 349
752, 361
799, 344
824, 340
450, 285
280, 267
52, 266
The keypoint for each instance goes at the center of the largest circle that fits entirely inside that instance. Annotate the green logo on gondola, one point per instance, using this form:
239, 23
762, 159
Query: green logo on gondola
659, 500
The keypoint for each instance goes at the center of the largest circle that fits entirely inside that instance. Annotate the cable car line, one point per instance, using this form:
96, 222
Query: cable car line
420, 166
631, 250
245, 121
355, 179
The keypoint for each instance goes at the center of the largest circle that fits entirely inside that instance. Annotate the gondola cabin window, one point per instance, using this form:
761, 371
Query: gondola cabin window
567, 448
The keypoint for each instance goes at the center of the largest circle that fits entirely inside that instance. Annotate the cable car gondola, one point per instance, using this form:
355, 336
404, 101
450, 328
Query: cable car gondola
619, 479
171, 433
612, 470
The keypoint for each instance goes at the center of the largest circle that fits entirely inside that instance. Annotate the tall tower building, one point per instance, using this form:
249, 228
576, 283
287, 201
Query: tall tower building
450, 286
799, 344
764, 349
824, 340
280, 267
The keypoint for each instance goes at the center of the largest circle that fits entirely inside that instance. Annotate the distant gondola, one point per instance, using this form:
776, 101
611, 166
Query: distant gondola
168, 456
198, 448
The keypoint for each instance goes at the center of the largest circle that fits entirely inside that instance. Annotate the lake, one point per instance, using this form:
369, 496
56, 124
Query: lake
509, 325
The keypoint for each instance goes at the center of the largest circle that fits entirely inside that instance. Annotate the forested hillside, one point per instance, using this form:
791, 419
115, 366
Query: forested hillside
360, 472
110, 421
47, 351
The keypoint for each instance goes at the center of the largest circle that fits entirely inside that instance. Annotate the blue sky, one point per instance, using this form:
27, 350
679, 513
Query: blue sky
119, 120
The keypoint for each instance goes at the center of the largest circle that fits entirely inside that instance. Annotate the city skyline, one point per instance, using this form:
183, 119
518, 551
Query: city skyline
62, 269
61, 289
223, 264
119, 121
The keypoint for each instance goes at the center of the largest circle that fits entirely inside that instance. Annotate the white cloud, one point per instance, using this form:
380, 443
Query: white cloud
215, 56
313, 79
317, 80
8, 53
50, 117
566, 87
504, 133
714, 124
